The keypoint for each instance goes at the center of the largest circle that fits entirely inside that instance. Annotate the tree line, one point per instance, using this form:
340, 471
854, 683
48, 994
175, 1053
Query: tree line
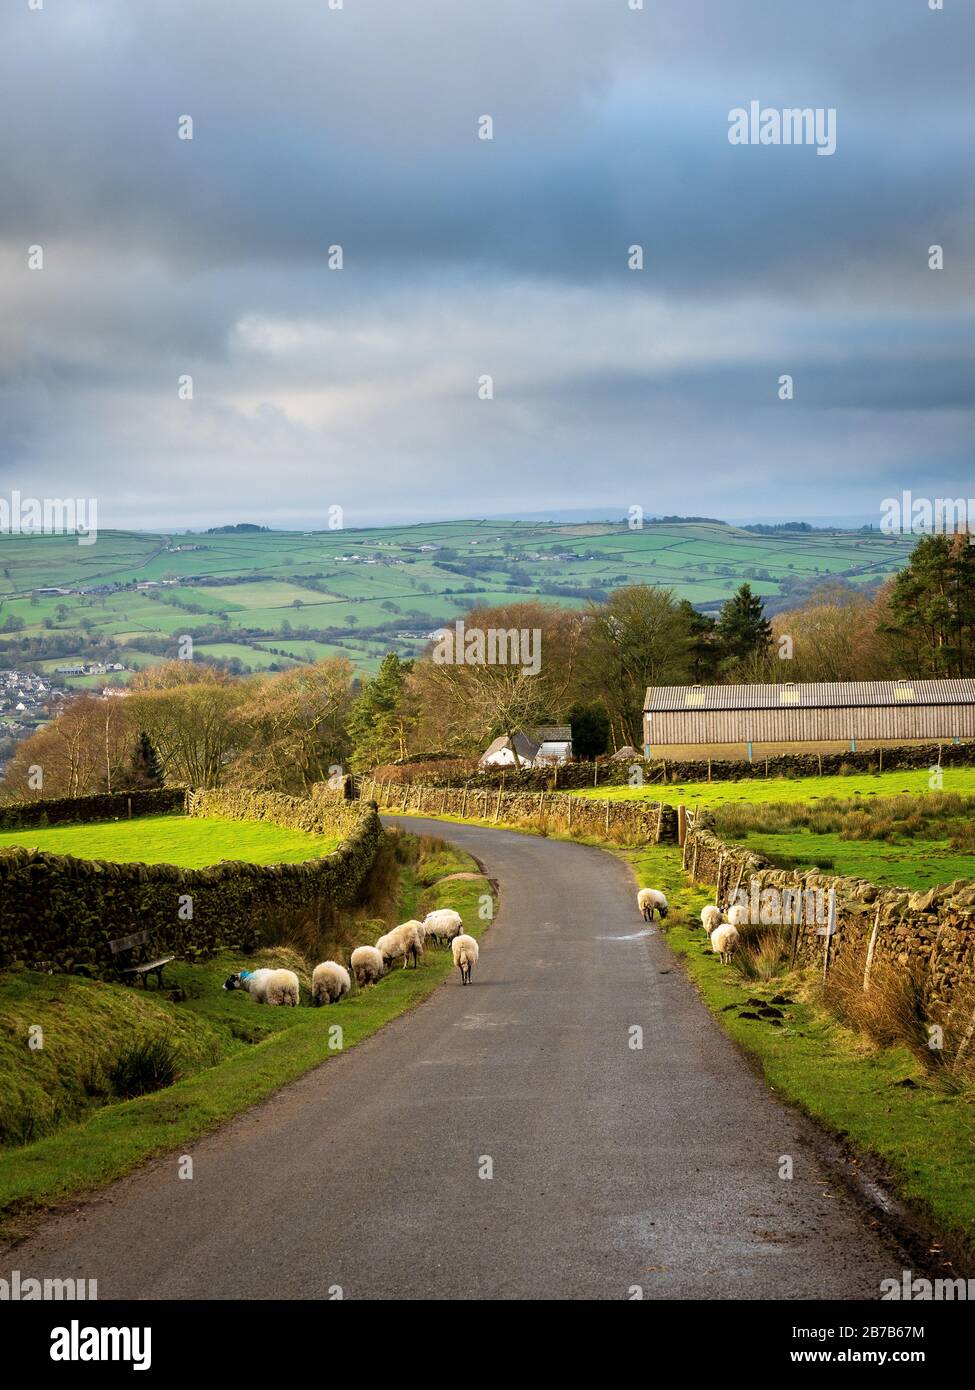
183, 722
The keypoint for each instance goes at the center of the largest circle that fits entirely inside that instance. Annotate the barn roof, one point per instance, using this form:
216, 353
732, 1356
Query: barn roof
815, 695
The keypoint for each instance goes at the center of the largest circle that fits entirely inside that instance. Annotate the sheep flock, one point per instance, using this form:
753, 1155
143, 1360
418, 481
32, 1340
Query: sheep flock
721, 927
332, 982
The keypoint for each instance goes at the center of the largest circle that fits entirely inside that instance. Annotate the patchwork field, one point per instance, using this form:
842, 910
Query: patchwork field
363, 592
188, 841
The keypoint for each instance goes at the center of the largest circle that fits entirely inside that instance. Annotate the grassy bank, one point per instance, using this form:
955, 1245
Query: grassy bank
188, 841
882, 1100
229, 1053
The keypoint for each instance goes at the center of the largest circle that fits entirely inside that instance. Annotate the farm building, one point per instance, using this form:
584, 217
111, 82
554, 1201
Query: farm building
835, 714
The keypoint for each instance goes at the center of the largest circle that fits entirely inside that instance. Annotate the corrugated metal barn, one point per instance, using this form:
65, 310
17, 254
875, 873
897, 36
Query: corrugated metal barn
835, 711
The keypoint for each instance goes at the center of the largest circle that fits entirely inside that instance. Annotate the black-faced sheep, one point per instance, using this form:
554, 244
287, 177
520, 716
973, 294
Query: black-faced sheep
650, 900
268, 986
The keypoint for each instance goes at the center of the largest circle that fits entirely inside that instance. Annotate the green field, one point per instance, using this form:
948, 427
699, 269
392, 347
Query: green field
916, 864
762, 789
261, 588
188, 841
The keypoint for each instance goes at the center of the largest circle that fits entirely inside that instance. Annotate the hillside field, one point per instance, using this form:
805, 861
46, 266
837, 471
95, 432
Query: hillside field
360, 593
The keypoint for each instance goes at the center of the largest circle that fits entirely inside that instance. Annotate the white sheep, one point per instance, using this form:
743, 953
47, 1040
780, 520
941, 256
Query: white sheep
268, 986
442, 925
329, 982
367, 965
405, 940
464, 951
650, 900
737, 916
711, 917
724, 941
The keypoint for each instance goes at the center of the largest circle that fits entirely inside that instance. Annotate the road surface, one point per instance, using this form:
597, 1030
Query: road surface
612, 1168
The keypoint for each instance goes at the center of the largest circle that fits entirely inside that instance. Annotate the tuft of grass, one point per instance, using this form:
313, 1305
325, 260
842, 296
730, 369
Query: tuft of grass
144, 1067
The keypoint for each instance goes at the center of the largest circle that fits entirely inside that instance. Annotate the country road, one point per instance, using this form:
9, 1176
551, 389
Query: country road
612, 1167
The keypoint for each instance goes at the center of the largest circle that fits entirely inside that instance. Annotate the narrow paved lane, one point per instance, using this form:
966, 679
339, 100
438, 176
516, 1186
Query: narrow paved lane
612, 1167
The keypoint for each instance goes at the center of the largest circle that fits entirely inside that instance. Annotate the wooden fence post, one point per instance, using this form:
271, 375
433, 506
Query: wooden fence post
681, 824
871, 948
497, 807
463, 804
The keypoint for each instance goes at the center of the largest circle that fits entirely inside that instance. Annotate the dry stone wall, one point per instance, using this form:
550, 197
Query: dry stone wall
930, 934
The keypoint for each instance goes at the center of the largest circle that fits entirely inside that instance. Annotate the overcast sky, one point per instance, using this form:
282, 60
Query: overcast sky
465, 257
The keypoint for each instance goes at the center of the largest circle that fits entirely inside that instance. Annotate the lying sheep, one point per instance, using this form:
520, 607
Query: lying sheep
442, 925
711, 917
737, 915
329, 981
405, 940
650, 900
724, 941
268, 986
464, 951
367, 965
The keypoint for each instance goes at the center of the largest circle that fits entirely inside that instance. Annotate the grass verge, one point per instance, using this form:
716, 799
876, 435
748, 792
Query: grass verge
881, 1100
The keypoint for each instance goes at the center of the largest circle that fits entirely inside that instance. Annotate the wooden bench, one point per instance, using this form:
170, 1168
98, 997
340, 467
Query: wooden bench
138, 945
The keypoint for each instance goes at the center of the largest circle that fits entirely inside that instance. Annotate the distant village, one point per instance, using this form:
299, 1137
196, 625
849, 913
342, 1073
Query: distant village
26, 700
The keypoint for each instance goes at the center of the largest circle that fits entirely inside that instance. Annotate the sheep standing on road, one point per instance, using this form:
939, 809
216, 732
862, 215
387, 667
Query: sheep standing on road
367, 965
405, 940
724, 941
329, 982
650, 900
442, 925
464, 951
710, 918
268, 986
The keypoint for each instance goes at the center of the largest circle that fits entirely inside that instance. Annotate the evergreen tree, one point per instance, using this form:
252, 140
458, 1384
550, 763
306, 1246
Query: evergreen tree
932, 608
590, 731
378, 724
743, 630
704, 650
146, 767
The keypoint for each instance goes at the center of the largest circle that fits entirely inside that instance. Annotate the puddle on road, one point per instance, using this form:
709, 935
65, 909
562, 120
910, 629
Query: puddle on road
634, 936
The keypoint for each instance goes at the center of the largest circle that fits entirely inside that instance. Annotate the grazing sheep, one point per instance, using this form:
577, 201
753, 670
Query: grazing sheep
405, 940
737, 915
650, 900
710, 918
724, 941
329, 981
442, 925
367, 965
268, 986
464, 951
